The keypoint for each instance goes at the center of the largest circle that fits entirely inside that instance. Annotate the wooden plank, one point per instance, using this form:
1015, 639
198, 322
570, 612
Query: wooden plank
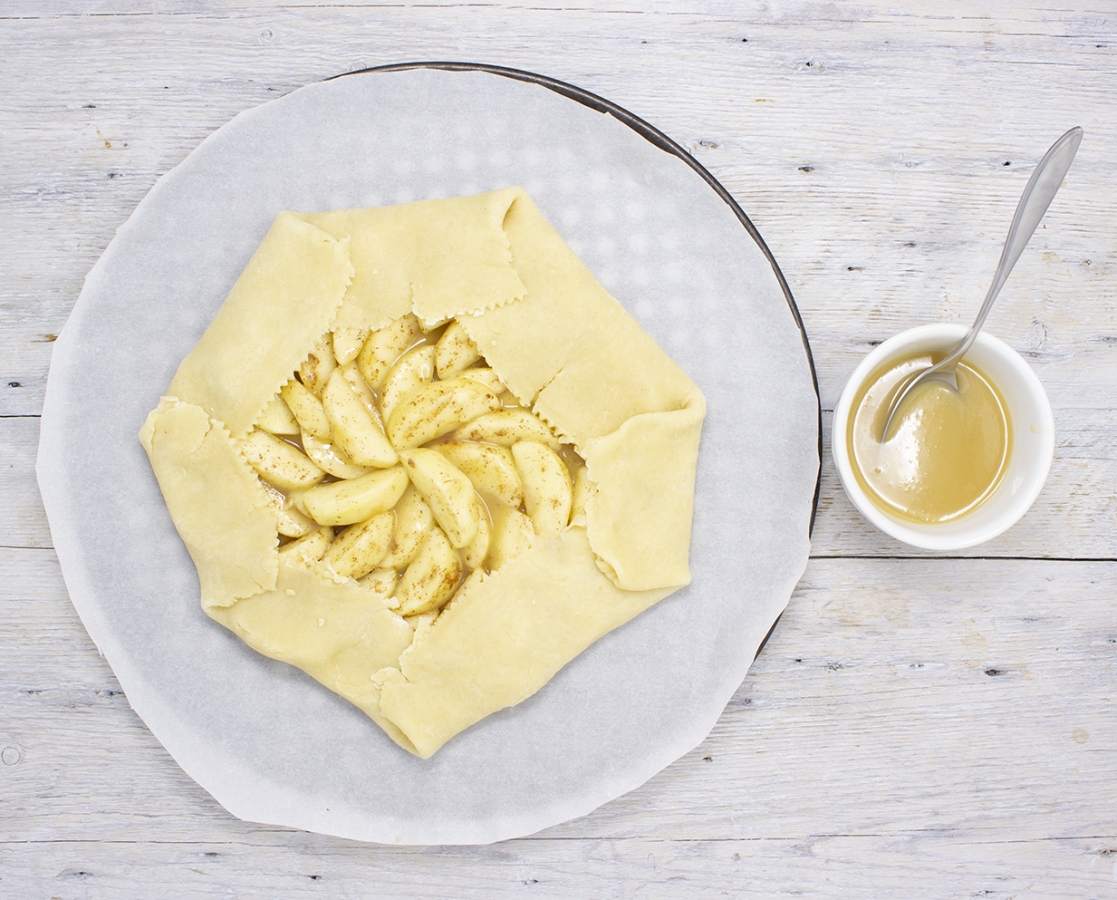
1071, 519
29, 574
23, 522
938, 188
964, 699
299, 866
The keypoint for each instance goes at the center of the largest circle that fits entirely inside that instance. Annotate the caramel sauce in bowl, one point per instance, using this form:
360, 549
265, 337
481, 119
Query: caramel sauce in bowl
961, 466
947, 451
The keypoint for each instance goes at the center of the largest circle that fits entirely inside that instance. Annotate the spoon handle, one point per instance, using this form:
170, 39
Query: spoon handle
1042, 187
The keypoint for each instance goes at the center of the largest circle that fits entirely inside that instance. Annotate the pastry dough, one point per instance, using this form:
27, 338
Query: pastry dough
560, 344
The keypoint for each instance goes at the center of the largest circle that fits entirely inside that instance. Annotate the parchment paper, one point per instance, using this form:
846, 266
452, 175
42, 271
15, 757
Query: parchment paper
271, 744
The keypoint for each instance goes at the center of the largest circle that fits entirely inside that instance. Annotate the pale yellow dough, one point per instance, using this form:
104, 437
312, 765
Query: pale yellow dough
555, 337
284, 299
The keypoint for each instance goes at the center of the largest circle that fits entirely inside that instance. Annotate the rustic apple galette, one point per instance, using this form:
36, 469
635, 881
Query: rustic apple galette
422, 455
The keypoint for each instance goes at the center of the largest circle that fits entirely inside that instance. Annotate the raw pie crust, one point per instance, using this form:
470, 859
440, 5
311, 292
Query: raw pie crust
560, 344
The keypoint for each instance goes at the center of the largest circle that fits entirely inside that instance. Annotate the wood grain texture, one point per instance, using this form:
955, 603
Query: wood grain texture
892, 721
1073, 517
822, 866
916, 725
900, 178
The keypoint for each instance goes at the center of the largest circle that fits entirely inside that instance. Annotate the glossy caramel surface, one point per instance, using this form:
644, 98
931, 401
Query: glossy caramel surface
946, 451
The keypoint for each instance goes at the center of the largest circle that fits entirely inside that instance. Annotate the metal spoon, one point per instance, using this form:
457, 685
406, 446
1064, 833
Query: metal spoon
1037, 196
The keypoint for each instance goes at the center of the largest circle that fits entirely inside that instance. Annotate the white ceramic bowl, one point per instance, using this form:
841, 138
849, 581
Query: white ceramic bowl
1033, 439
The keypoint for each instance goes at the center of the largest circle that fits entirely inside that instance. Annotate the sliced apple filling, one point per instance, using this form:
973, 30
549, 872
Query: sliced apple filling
386, 453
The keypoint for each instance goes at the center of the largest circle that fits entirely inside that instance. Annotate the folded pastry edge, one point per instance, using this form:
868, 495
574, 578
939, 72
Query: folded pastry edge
202, 475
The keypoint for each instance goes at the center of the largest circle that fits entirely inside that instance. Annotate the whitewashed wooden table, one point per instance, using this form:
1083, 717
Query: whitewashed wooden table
918, 725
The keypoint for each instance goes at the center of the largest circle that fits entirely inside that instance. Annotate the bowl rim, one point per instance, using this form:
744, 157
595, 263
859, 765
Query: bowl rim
957, 536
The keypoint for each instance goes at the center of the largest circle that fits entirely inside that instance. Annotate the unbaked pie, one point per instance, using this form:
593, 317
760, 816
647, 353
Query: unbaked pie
424, 456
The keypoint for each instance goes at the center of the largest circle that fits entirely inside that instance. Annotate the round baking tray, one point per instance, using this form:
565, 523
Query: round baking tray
660, 233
